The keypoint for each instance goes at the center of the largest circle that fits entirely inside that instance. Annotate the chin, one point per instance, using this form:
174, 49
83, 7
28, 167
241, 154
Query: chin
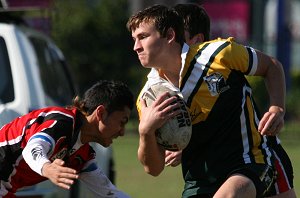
147, 66
106, 144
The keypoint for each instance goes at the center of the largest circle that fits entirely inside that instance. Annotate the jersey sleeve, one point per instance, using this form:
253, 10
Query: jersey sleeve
239, 57
44, 131
98, 183
37, 150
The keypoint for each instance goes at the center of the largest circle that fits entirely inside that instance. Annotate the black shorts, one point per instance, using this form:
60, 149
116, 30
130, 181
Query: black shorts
263, 176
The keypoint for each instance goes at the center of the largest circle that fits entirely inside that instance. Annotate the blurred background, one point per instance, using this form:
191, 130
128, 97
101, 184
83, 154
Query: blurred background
93, 36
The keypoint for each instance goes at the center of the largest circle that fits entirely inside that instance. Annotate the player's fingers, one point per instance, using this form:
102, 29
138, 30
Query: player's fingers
68, 170
173, 162
273, 125
168, 159
274, 128
262, 123
143, 103
167, 153
69, 175
171, 108
164, 100
64, 185
268, 124
58, 162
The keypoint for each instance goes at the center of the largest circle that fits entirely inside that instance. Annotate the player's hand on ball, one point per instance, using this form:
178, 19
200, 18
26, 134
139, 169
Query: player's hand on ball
58, 174
173, 158
160, 111
168, 116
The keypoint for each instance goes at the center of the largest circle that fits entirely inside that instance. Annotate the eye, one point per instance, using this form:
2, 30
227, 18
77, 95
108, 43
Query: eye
124, 122
142, 36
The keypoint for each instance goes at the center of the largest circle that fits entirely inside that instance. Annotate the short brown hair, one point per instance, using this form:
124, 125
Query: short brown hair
162, 18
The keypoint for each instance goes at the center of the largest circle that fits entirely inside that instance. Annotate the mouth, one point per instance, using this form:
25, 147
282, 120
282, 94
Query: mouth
115, 137
141, 56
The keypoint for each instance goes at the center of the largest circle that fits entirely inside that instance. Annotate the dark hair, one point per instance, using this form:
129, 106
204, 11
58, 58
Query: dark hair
114, 95
195, 18
162, 17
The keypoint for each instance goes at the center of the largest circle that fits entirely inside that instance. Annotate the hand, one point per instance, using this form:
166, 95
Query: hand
173, 158
155, 115
58, 174
272, 121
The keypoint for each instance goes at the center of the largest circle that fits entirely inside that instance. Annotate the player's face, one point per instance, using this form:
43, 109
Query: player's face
112, 126
149, 45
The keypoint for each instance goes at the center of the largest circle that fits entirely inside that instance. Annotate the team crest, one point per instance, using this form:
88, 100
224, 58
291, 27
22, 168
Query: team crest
216, 83
60, 155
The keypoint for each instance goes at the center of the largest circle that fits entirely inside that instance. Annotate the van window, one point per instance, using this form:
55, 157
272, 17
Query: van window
6, 85
56, 82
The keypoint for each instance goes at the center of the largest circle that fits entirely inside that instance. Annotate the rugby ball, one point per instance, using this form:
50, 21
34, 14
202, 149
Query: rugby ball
176, 133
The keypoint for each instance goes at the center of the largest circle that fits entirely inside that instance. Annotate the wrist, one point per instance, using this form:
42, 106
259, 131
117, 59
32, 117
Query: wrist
275, 108
42, 169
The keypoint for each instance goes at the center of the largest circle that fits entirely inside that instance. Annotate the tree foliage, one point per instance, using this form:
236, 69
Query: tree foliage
95, 41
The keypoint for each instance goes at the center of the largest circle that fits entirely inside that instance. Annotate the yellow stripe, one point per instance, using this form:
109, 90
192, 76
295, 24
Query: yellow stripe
257, 153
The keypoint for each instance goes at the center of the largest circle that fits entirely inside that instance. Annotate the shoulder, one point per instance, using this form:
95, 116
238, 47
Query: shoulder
55, 113
54, 120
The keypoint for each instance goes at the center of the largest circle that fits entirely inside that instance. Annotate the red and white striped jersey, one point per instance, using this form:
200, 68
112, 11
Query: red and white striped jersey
41, 136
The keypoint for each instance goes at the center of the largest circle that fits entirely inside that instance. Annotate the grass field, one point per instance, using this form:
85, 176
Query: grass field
132, 179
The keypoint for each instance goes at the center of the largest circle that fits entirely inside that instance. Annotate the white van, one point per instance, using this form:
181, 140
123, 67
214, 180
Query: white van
33, 74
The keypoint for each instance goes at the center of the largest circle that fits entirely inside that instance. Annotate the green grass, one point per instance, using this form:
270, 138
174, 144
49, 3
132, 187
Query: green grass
132, 179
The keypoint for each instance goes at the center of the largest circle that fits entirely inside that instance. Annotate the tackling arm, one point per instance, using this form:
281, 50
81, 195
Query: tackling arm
98, 183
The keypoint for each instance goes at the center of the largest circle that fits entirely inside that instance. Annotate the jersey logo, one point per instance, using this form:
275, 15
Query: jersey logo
216, 84
37, 153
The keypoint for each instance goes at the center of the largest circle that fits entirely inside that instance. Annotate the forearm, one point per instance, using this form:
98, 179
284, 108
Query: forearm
151, 155
35, 154
275, 84
98, 182
272, 71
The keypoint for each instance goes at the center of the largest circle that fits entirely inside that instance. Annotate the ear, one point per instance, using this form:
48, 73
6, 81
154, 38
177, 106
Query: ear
170, 35
100, 113
198, 38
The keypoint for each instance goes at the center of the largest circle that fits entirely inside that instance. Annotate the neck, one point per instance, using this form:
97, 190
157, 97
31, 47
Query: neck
171, 69
171, 77
86, 130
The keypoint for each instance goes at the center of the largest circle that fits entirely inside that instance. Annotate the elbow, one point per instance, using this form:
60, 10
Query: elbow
154, 171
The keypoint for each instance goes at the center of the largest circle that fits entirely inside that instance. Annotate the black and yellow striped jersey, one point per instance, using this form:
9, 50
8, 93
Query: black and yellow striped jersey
223, 112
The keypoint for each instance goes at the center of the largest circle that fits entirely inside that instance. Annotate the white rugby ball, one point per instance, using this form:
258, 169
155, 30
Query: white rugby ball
176, 133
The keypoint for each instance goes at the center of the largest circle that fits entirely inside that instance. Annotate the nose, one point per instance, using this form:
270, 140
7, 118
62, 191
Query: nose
122, 131
137, 45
